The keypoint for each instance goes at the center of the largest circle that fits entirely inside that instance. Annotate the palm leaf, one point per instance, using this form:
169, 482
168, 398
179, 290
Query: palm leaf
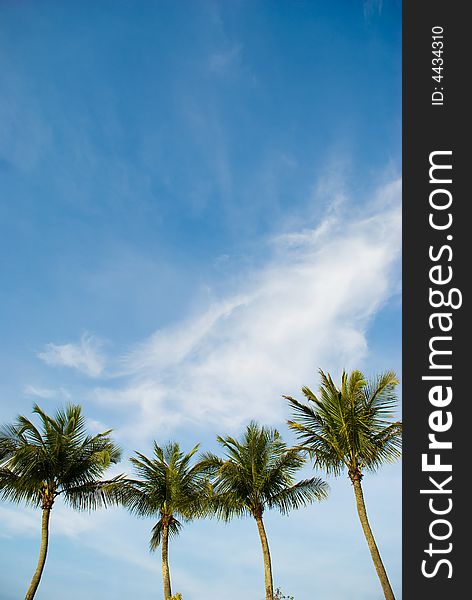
349, 426
257, 472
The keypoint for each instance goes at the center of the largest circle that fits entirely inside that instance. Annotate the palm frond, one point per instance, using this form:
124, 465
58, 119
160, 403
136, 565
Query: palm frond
174, 527
170, 484
14, 488
301, 494
257, 472
56, 457
349, 426
95, 494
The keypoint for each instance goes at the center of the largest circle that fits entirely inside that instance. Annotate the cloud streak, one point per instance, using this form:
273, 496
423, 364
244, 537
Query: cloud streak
220, 61
86, 356
308, 307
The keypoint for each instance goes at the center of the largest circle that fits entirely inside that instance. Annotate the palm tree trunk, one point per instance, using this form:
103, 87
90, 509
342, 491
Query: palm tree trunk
42, 554
369, 536
165, 562
269, 586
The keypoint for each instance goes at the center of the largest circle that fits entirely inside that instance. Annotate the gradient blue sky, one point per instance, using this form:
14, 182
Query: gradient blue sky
200, 206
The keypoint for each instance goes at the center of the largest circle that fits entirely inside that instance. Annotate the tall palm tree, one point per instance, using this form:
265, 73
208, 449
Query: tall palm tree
351, 428
171, 486
56, 459
257, 473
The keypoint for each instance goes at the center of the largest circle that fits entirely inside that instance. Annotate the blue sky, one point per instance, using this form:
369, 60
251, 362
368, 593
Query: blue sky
200, 206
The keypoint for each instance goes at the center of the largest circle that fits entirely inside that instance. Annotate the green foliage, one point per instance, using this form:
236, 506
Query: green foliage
350, 426
278, 595
257, 473
169, 485
176, 597
57, 457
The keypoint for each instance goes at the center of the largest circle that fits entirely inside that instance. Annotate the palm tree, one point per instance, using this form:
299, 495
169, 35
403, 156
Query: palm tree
170, 486
256, 474
351, 428
56, 459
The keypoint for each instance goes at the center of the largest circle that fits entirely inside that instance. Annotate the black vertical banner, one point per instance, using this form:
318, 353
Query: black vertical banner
436, 315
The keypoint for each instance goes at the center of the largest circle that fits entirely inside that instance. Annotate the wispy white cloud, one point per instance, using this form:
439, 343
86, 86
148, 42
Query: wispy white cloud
17, 521
45, 393
372, 6
27, 521
39, 392
94, 426
221, 61
309, 307
89, 528
86, 356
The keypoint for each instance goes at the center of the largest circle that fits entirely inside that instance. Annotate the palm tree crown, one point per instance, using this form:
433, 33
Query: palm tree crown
171, 486
258, 473
168, 485
349, 427
59, 458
